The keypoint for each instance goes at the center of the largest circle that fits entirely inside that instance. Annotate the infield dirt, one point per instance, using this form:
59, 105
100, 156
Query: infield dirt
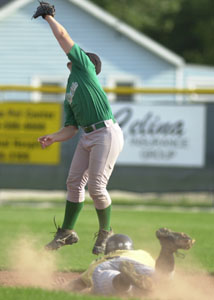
30, 267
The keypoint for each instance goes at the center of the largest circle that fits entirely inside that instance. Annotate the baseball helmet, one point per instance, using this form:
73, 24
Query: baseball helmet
118, 242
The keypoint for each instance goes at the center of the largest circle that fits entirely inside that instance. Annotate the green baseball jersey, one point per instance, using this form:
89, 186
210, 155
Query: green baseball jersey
85, 102
139, 256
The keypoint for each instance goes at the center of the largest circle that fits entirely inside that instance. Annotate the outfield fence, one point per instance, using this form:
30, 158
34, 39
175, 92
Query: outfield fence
168, 146
118, 90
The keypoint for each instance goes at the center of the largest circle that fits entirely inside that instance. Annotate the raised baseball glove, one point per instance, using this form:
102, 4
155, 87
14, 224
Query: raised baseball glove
43, 10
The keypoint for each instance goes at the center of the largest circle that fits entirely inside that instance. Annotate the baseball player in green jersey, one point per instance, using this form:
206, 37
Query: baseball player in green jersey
86, 107
125, 270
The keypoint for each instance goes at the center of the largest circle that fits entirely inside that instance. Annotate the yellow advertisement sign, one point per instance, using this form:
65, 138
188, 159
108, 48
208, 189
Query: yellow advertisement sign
20, 126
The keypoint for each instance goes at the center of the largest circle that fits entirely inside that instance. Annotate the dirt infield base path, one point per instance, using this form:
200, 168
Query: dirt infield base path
194, 286
12, 278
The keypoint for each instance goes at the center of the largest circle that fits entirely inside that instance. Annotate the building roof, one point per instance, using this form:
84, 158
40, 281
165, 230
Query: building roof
109, 20
3, 2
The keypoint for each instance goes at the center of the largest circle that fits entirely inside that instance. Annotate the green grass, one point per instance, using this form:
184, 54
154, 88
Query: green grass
179, 201
39, 294
36, 224
140, 225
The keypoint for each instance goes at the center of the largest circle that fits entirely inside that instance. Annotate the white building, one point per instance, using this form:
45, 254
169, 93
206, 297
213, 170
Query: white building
30, 55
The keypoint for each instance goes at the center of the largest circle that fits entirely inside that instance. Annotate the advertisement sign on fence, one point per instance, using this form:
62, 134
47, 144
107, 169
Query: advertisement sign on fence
167, 136
20, 126
162, 135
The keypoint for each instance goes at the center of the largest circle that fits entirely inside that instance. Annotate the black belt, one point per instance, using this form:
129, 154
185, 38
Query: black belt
96, 126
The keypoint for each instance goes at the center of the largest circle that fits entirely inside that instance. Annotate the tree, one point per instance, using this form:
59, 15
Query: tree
192, 35
141, 14
184, 26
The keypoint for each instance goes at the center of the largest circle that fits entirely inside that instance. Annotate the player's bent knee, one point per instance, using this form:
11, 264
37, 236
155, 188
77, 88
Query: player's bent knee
100, 197
75, 183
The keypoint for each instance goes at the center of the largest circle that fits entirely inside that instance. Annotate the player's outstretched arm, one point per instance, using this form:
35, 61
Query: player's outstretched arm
62, 135
60, 34
47, 12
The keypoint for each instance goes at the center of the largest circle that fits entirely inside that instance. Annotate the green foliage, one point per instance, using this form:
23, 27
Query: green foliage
194, 27
184, 26
142, 14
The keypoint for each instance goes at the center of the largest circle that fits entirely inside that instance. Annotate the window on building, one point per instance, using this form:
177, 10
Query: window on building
48, 82
124, 97
123, 81
201, 83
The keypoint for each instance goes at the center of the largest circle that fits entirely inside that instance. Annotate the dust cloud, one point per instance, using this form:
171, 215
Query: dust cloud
194, 285
32, 267
37, 268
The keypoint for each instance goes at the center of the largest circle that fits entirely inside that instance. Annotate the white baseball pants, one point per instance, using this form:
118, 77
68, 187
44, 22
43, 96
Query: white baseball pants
93, 163
104, 274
